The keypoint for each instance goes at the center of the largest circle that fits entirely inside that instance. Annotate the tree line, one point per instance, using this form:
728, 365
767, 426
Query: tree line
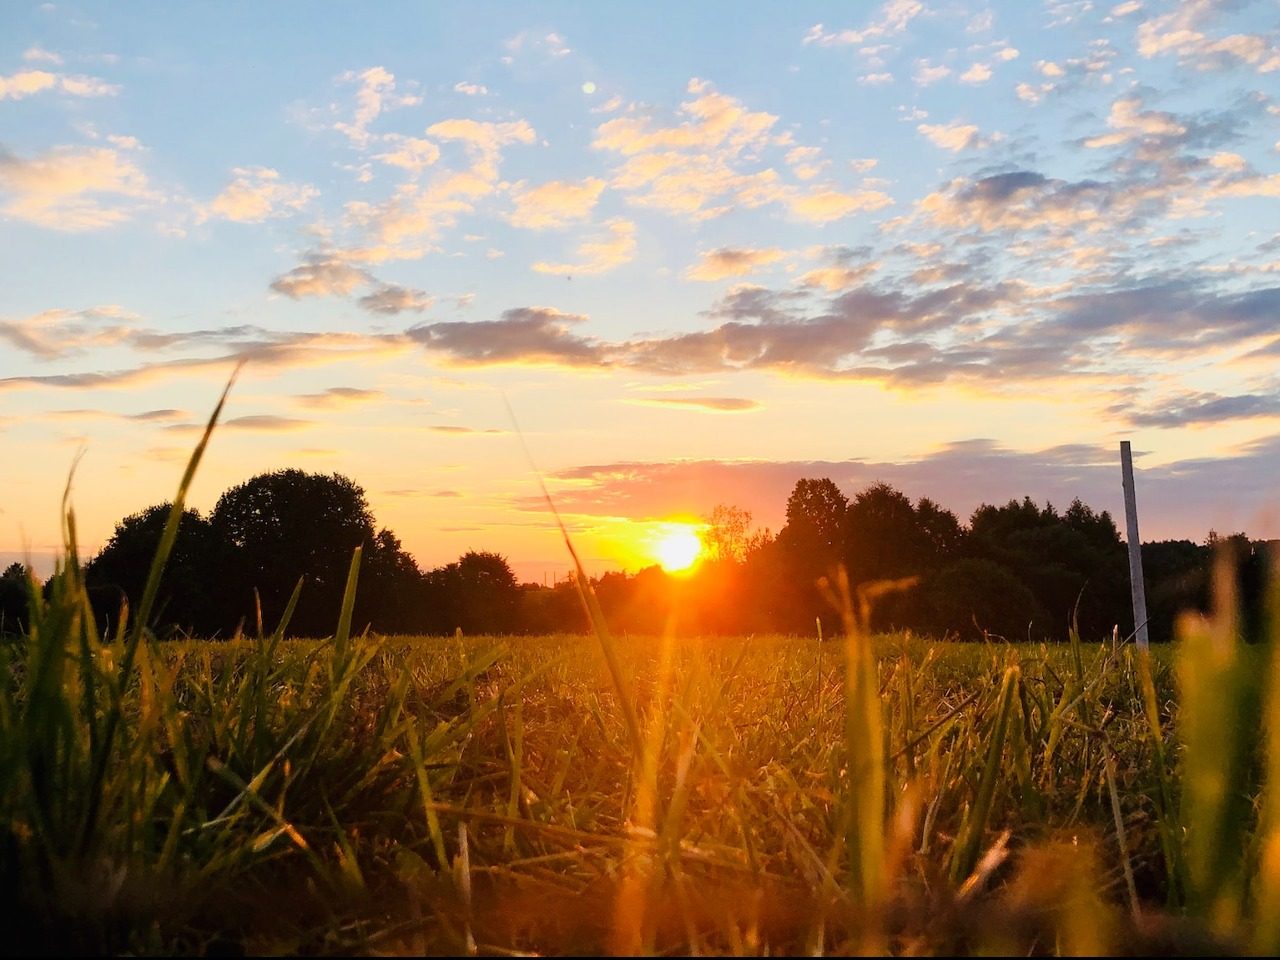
1015, 572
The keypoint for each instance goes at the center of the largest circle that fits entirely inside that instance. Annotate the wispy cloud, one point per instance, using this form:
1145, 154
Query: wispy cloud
73, 189
707, 404
1182, 33
891, 19
26, 83
955, 136
376, 93
600, 254
556, 203
523, 335
255, 194
732, 262
338, 397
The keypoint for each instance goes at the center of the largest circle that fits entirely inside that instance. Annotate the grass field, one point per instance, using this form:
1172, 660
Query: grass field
597, 794
419, 794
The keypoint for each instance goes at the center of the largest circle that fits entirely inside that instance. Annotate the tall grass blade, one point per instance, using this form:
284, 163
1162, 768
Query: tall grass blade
135, 634
864, 754
1219, 710
1266, 939
969, 840
342, 636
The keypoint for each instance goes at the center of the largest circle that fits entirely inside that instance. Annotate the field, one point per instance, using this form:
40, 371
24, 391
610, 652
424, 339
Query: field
564, 795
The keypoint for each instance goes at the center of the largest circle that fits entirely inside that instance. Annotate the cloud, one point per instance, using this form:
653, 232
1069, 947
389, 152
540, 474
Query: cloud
693, 168
732, 262
1180, 32
710, 162
1130, 122
1203, 408
461, 431
471, 89
891, 19
875, 79
806, 162
411, 153
713, 120
37, 54
556, 203
402, 226
392, 299
976, 74
1018, 199
550, 45
334, 397
145, 416
485, 139
58, 333
25, 83
928, 73
600, 255
377, 92
255, 194
709, 404
523, 335
266, 423
321, 276
260, 349
254, 423
824, 205
847, 269
72, 189
954, 136
940, 322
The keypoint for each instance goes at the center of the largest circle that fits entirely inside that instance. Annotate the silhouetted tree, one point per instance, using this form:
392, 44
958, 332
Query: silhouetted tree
392, 595
974, 597
191, 596
1177, 573
808, 547
477, 594
887, 538
1073, 563
284, 525
13, 599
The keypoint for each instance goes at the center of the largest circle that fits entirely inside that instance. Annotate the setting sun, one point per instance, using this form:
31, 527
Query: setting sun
678, 550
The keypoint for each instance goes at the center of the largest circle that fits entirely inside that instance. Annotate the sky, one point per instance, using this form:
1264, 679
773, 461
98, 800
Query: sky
667, 256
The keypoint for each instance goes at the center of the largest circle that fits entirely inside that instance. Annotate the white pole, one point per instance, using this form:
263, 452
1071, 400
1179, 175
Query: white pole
1135, 547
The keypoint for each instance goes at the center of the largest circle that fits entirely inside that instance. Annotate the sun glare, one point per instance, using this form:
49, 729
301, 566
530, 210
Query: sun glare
678, 550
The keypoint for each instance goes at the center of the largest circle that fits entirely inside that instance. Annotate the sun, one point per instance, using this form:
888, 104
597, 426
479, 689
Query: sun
678, 550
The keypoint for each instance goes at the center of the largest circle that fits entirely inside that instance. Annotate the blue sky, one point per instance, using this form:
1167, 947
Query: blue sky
965, 247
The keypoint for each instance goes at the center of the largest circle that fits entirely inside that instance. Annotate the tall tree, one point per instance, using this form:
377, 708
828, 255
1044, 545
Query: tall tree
815, 517
477, 593
289, 524
13, 599
191, 592
807, 547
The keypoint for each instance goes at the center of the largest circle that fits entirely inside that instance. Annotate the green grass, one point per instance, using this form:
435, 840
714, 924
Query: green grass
289, 797
637, 794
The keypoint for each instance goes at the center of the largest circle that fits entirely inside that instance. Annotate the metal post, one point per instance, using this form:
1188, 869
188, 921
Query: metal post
1135, 547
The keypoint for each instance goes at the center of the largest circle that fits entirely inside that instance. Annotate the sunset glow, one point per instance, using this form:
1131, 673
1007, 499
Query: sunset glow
678, 550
